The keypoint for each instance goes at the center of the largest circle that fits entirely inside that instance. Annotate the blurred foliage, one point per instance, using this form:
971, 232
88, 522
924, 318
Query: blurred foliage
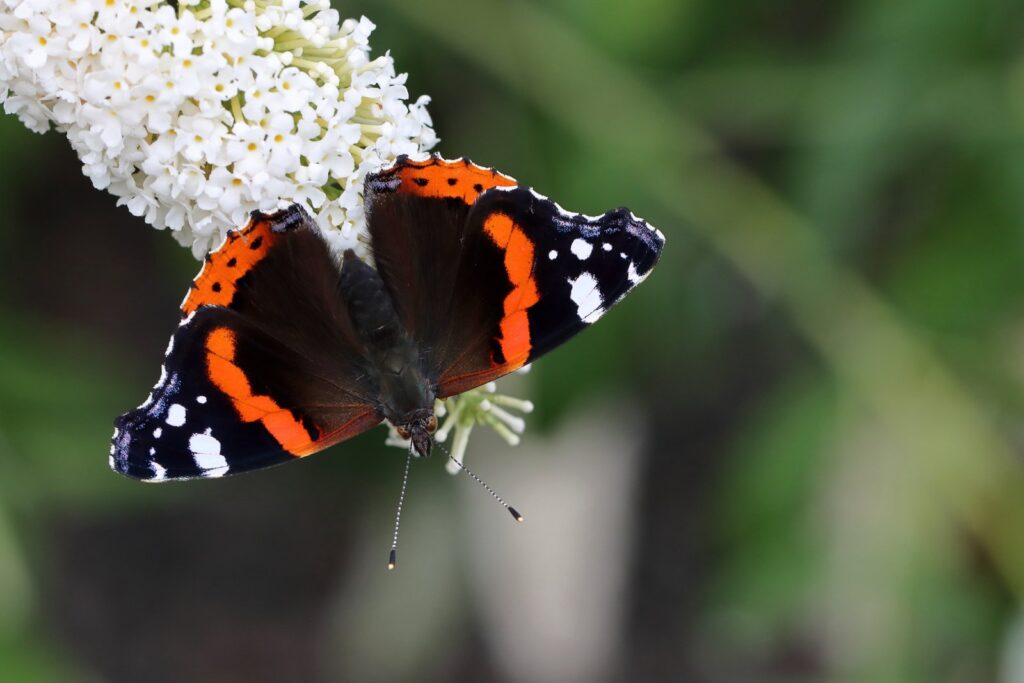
830, 354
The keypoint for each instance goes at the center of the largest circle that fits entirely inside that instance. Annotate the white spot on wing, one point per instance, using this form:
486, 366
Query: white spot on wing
157, 432
200, 399
176, 415
587, 297
206, 452
110, 461
606, 246
633, 276
581, 248
552, 254
159, 473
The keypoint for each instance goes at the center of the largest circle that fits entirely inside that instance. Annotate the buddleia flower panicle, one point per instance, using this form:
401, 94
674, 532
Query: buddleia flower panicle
193, 116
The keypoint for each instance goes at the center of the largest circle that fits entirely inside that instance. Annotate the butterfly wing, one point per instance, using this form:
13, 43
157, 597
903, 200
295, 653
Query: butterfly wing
264, 368
488, 275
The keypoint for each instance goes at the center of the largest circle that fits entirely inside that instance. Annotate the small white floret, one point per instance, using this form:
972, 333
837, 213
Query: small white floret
158, 102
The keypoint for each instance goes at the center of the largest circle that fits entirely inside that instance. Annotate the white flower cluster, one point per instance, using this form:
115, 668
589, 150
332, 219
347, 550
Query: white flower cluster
196, 114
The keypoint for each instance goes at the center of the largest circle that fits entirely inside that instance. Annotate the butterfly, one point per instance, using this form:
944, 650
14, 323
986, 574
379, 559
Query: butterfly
285, 349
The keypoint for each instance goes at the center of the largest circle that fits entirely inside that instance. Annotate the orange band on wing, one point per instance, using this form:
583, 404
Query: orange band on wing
449, 179
217, 282
231, 379
519, 256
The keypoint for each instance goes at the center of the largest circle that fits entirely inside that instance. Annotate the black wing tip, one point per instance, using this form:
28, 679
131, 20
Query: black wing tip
624, 218
621, 219
129, 446
145, 469
120, 450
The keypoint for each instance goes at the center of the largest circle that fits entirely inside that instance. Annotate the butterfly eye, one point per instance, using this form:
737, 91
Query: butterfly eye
431, 424
402, 432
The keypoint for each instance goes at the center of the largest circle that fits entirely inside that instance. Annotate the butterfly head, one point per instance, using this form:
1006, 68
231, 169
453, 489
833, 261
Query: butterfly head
418, 428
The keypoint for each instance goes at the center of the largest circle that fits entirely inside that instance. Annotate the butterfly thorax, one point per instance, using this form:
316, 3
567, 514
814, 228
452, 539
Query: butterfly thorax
405, 393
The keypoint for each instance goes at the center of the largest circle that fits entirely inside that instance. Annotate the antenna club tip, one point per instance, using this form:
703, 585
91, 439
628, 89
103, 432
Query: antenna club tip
391, 560
515, 514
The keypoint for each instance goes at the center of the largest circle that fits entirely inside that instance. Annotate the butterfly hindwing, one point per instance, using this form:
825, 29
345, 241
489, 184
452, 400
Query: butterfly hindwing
264, 368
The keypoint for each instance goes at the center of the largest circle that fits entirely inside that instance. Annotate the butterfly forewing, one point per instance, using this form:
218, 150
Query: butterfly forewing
264, 368
490, 279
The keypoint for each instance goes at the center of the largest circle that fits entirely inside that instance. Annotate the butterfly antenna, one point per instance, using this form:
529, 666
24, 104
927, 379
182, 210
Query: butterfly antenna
511, 510
392, 558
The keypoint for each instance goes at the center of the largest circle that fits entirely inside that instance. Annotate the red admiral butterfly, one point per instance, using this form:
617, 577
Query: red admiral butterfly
284, 351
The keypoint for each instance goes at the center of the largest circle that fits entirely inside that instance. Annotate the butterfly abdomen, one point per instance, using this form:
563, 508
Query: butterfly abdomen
396, 365
369, 305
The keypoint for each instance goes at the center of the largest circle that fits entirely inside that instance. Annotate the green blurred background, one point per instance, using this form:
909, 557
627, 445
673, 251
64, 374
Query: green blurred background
793, 455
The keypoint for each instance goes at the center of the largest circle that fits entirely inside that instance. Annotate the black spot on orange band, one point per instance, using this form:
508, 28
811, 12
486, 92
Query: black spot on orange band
217, 283
446, 179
